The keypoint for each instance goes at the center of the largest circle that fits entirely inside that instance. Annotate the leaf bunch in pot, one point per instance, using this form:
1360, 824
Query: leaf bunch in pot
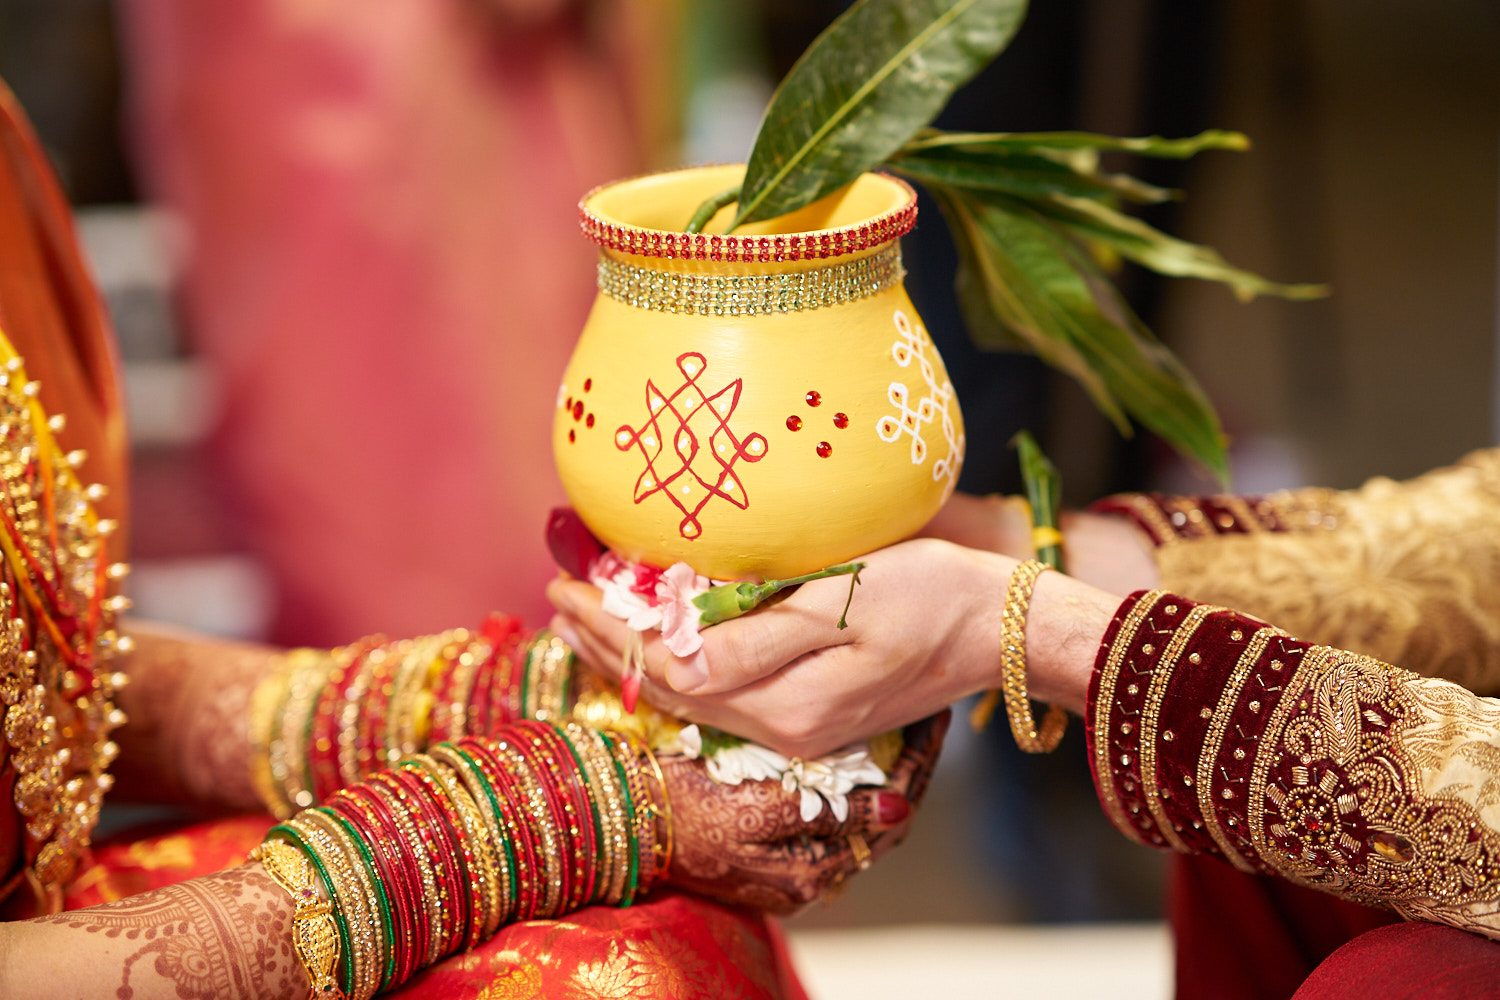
1035, 217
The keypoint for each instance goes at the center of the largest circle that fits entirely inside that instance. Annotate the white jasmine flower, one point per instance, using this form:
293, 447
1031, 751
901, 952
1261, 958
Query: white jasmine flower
823, 779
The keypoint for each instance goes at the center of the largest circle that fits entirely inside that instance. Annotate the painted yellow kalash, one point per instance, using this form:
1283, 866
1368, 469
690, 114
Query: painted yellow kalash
757, 405
56, 637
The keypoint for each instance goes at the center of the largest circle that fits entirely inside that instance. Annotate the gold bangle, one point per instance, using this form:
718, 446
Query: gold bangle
352, 893
315, 937
662, 846
1029, 737
307, 672
266, 704
488, 846
549, 662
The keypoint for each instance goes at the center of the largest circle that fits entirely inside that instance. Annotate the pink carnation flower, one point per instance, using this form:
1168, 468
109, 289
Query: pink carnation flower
675, 591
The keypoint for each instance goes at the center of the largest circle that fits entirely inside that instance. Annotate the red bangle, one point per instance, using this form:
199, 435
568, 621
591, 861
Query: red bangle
589, 820
364, 808
470, 881
567, 778
425, 829
527, 869
445, 842
537, 751
386, 792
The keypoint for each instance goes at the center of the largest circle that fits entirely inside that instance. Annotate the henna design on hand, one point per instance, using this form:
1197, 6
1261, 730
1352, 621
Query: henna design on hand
747, 844
221, 936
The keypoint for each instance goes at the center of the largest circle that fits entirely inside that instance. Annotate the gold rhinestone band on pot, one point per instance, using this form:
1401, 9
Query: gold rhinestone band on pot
751, 294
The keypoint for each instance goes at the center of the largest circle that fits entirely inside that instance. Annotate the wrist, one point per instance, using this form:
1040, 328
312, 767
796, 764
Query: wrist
1064, 627
1109, 552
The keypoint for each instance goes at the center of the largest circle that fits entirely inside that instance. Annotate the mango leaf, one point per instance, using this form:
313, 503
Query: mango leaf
875, 76
1029, 173
1150, 247
1054, 297
1004, 309
1151, 145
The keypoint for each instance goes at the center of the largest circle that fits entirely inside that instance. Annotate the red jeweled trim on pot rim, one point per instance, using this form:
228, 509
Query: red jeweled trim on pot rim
815, 245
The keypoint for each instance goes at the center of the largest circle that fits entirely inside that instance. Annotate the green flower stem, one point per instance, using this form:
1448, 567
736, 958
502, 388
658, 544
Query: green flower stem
734, 599
710, 207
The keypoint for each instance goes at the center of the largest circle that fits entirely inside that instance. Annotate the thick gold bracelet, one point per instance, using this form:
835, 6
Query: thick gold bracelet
352, 892
315, 936
1029, 737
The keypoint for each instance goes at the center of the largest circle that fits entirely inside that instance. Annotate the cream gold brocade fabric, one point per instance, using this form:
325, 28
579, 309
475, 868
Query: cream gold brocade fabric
1406, 572
1419, 760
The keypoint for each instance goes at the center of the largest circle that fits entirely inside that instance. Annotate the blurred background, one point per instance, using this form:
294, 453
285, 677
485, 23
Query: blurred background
339, 241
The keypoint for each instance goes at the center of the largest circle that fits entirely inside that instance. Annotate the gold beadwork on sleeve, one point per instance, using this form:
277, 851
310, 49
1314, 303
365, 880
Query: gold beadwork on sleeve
1150, 715
1380, 786
1108, 677
1214, 740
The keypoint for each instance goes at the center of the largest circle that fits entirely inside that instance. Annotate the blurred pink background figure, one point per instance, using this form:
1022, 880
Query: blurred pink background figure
382, 266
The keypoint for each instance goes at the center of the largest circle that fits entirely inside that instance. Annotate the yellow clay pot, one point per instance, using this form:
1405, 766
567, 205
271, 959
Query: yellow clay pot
758, 405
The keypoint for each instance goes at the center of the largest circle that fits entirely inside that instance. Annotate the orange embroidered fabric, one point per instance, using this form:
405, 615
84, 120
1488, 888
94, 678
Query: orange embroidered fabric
670, 946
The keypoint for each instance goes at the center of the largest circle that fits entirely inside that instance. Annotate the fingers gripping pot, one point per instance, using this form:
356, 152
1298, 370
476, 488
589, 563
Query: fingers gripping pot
757, 405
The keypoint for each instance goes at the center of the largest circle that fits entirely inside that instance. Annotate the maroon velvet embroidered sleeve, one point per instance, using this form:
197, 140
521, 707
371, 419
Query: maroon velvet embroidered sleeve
1168, 519
1211, 732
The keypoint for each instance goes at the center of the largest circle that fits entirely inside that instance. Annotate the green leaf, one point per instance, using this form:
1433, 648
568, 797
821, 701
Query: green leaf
1043, 494
1152, 248
881, 71
1003, 306
1030, 174
1055, 298
1151, 145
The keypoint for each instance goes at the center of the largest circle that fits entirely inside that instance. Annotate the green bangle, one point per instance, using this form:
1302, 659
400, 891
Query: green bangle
389, 972
346, 975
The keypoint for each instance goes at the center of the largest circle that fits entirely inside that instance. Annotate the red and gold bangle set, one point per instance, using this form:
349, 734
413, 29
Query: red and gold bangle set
327, 718
417, 855
433, 855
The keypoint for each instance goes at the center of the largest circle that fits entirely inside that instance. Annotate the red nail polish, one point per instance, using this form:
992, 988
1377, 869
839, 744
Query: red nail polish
891, 808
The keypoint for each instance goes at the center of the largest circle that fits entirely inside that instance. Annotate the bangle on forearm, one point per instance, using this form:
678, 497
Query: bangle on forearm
315, 932
323, 719
1028, 736
431, 857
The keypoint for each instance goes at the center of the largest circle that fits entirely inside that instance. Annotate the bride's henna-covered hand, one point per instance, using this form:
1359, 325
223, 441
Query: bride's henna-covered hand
747, 844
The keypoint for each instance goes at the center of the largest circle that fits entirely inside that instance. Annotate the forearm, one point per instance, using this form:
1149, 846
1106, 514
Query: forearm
188, 700
225, 935
1407, 572
1211, 732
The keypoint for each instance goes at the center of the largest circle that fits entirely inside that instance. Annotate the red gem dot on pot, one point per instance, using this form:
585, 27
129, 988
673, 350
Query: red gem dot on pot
572, 435
814, 398
590, 421
794, 423
588, 384
841, 420
568, 403
578, 409
824, 449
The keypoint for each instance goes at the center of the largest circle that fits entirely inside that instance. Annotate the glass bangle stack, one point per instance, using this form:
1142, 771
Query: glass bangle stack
400, 857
